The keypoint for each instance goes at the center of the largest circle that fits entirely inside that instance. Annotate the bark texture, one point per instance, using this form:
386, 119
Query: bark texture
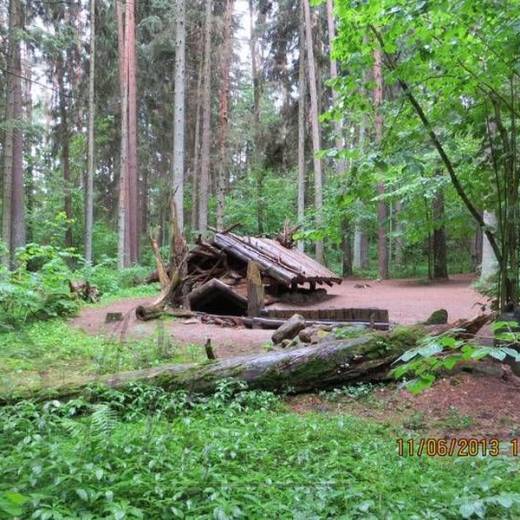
223, 164
302, 92
89, 195
206, 124
315, 125
179, 117
13, 211
489, 265
128, 241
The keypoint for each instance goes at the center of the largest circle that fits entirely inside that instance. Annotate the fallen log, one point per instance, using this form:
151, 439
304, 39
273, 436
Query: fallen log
289, 329
274, 323
339, 362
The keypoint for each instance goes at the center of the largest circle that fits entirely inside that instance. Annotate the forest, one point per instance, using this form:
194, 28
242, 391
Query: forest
259, 259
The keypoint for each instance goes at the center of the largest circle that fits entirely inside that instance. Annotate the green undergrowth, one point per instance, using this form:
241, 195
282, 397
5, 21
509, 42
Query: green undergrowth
139, 291
146, 453
48, 353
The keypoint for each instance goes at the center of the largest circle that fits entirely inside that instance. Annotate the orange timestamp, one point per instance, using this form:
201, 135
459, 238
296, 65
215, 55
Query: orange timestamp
456, 447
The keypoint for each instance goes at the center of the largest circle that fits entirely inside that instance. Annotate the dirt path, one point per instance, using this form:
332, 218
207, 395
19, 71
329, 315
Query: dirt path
408, 301
228, 341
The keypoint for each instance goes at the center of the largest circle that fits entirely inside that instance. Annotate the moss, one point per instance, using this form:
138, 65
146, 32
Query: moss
404, 337
438, 317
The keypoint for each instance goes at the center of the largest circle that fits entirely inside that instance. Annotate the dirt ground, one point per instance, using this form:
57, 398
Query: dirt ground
408, 301
465, 405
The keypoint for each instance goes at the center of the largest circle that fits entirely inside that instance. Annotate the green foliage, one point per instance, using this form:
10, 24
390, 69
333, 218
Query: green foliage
46, 353
38, 289
147, 453
109, 279
438, 51
441, 353
356, 391
273, 203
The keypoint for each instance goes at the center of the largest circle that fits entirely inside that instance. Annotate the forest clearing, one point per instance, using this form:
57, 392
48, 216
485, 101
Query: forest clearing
259, 259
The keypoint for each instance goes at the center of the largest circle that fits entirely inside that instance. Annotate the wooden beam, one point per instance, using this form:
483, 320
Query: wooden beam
255, 290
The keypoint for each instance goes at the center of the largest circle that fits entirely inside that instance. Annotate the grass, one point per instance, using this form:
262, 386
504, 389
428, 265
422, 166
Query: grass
154, 455
47, 353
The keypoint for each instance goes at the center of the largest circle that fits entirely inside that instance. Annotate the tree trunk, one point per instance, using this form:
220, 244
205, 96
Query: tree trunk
382, 210
314, 114
301, 126
196, 152
489, 266
89, 196
7, 184
13, 211
123, 250
179, 118
399, 229
360, 253
329, 364
132, 207
65, 150
258, 155
28, 142
440, 253
206, 124
346, 248
476, 250
223, 164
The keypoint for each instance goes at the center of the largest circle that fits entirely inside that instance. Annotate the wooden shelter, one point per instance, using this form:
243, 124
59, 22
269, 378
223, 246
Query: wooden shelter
289, 267
234, 276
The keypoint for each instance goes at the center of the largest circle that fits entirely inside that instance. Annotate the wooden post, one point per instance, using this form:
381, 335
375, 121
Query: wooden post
209, 350
255, 290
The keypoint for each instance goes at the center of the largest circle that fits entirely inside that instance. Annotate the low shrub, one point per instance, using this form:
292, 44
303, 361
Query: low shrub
38, 288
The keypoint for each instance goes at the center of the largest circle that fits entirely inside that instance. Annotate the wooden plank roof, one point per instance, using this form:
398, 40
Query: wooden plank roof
287, 266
